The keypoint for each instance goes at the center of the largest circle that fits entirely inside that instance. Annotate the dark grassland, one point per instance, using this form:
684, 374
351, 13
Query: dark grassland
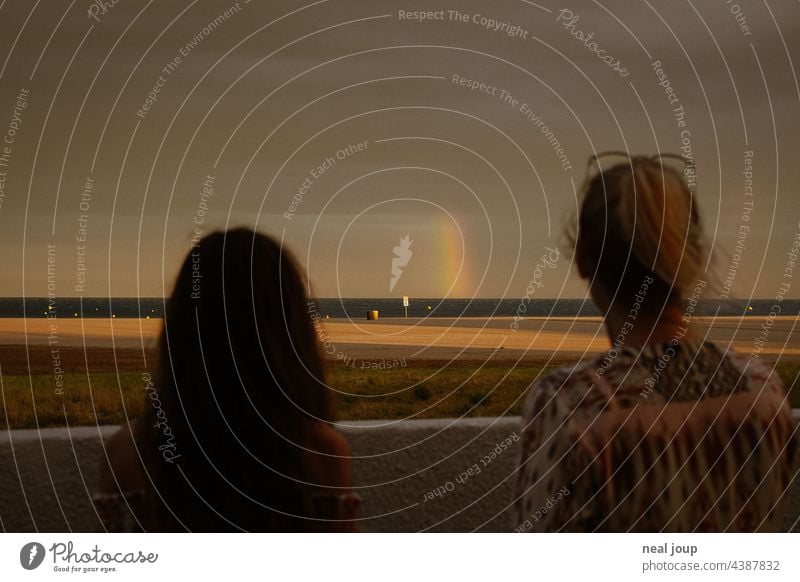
111, 388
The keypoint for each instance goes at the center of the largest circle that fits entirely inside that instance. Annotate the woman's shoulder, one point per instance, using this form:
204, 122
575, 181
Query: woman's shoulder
557, 385
329, 441
121, 496
564, 375
330, 456
753, 366
576, 385
755, 374
586, 373
123, 470
333, 499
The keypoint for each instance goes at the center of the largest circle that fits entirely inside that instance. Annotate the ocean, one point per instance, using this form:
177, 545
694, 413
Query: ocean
355, 308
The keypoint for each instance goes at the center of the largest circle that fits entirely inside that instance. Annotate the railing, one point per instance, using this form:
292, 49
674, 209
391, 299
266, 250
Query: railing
413, 475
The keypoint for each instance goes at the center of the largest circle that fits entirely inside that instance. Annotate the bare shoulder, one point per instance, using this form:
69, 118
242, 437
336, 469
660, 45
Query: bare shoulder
333, 441
122, 470
331, 456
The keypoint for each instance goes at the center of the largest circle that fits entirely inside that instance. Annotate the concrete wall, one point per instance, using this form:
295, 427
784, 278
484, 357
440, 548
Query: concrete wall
48, 476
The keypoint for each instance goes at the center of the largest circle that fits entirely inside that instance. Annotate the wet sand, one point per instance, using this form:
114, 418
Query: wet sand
78, 332
431, 338
535, 338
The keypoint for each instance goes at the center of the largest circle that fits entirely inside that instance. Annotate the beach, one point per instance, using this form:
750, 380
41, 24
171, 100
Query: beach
473, 338
92, 371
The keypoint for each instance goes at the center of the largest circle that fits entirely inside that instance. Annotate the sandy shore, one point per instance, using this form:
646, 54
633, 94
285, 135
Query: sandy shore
77, 332
432, 338
535, 337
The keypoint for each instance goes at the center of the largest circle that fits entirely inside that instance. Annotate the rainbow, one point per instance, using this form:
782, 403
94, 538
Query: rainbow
455, 277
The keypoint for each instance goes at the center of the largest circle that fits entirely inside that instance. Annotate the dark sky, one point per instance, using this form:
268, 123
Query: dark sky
268, 96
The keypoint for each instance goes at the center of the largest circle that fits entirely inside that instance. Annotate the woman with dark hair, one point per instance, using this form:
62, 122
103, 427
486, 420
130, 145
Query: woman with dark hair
665, 431
237, 432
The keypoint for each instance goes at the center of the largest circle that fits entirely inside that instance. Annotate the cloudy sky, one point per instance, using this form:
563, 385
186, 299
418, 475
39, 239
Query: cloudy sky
342, 127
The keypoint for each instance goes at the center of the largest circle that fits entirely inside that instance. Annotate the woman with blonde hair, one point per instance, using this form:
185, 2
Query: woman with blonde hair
665, 431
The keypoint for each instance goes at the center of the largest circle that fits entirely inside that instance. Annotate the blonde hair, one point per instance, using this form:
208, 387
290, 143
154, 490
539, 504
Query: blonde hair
639, 219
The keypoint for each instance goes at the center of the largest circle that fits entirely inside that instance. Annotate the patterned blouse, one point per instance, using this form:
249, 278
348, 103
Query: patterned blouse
568, 481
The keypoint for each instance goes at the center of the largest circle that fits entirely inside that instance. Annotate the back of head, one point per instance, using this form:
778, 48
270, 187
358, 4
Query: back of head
240, 381
638, 221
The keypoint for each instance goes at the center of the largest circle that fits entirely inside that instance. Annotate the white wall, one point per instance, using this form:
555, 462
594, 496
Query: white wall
48, 476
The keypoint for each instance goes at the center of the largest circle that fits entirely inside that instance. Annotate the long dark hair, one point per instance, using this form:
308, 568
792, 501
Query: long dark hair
239, 384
